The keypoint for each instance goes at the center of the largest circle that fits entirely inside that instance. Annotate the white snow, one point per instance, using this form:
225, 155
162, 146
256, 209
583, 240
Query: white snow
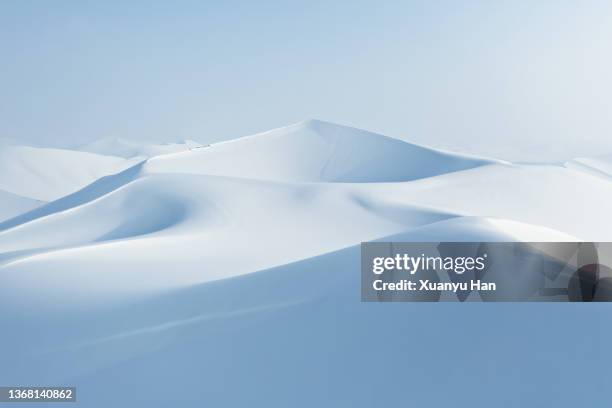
316, 151
128, 148
47, 174
12, 205
231, 271
600, 165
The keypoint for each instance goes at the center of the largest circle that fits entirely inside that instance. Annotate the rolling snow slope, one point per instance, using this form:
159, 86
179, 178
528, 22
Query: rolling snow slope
316, 151
128, 148
47, 174
229, 276
12, 205
601, 165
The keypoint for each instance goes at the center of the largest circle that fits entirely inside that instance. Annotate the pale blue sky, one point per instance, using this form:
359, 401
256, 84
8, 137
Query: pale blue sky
514, 79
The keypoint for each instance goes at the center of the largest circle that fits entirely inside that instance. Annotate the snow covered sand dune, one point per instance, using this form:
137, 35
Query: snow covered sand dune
47, 174
203, 227
601, 165
316, 151
198, 222
229, 276
97, 189
129, 149
291, 283
279, 331
567, 200
12, 205
149, 221
32, 176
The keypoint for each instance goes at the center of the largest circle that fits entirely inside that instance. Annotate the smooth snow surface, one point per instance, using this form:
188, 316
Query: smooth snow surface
228, 275
47, 174
601, 165
316, 151
128, 149
12, 205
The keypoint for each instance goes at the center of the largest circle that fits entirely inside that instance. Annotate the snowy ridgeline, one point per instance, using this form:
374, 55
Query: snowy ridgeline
231, 271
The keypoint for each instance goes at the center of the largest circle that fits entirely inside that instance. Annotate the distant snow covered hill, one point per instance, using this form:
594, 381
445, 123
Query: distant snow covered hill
47, 174
317, 151
12, 205
128, 148
170, 206
599, 165
31, 176
232, 271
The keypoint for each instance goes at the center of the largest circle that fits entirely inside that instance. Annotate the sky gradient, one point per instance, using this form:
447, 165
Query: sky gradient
518, 80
